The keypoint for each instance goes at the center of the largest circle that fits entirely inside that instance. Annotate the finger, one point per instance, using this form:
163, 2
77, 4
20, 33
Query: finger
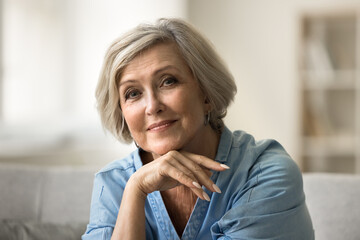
196, 170
184, 170
200, 193
179, 173
208, 172
206, 162
196, 188
176, 174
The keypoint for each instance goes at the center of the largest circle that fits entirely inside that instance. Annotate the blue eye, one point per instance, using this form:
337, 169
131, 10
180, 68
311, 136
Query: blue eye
132, 93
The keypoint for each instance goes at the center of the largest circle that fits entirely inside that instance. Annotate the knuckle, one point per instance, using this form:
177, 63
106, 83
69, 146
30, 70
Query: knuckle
171, 153
180, 175
164, 160
197, 169
201, 159
189, 174
163, 168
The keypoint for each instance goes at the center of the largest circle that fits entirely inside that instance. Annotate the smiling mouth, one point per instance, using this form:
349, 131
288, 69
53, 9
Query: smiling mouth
160, 125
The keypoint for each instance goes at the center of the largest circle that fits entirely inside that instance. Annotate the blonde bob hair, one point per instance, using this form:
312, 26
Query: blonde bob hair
208, 69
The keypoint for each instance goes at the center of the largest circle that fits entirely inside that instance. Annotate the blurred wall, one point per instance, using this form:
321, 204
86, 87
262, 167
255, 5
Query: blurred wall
259, 41
53, 52
66, 40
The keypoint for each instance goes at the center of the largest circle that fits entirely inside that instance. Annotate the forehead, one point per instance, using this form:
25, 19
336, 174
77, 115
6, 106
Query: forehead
156, 57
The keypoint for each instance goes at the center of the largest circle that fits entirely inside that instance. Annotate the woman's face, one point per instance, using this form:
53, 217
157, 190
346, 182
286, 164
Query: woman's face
162, 103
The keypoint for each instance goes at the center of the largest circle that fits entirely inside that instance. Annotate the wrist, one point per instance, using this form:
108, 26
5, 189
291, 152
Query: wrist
134, 185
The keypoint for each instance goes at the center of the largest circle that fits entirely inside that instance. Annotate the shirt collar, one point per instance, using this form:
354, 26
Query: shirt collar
137, 159
224, 145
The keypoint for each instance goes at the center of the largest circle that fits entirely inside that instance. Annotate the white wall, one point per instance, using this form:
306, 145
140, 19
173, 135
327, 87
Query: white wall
53, 52
259, 39
95, 24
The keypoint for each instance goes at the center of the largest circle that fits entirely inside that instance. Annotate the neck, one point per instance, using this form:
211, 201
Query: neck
206, 145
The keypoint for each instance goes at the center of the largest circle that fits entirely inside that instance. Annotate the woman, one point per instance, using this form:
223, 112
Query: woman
164, 87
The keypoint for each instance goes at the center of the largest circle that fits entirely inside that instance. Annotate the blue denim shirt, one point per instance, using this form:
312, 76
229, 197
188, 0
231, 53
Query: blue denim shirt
262, 197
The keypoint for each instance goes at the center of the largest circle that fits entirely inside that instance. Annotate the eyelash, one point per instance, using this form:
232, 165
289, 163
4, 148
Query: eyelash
164, 83
130, 91
173, 79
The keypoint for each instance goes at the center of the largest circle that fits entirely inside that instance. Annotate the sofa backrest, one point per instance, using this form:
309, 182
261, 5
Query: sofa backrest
63, 194
333, 201
45, 194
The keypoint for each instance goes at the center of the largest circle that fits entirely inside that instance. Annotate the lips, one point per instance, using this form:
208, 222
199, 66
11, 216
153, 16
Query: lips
160, 125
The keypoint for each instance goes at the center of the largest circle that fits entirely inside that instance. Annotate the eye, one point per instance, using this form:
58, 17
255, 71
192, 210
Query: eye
168, 81
132, 94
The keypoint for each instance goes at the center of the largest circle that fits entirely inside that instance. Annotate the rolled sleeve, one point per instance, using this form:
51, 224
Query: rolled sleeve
97, 233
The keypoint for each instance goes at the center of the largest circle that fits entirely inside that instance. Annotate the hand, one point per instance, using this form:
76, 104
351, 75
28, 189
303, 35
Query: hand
178, 168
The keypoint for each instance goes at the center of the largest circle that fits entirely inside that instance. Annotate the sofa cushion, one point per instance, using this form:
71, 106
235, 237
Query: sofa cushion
333, 202
20, 188
67, 195
54, 194
28, 230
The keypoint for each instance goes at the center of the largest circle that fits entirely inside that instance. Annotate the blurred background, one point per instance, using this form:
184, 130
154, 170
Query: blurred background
296, 64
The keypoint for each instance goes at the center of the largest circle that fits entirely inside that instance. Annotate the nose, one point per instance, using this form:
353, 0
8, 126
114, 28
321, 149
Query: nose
154, 104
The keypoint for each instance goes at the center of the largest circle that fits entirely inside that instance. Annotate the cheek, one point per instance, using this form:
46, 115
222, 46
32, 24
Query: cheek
192, 106
133, 119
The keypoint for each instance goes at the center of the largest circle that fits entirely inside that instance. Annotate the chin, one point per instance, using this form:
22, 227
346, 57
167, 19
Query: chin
165, 148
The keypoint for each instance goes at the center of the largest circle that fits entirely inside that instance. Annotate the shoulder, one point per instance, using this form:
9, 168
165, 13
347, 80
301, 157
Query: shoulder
250, 145
116, 173
265, 192
266, 152
276, 176
275, 163
268, 168
246, 150
124, 165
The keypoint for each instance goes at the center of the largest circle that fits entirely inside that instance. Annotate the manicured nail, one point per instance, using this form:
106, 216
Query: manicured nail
224, 166
217, 189
196, 185
207, 198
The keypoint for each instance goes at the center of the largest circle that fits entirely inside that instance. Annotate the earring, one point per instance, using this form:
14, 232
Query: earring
136, 144
207, 118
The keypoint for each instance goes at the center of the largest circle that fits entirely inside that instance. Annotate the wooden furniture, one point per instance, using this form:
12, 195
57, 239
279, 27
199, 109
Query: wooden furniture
330, 90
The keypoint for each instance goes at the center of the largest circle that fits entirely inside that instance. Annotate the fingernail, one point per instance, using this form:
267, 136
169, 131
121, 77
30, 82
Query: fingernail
207, 198
224, 166
196, 185
217, 189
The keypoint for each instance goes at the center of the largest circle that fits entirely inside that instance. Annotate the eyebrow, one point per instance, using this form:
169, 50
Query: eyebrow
153, 74
127, 81
165, 68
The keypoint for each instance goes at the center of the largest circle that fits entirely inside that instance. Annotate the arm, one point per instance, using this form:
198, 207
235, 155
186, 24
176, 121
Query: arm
168, 171
131, 217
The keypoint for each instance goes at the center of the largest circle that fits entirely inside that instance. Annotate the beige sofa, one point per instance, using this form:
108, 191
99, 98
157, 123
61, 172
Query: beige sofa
334, 204
53, 203
44, 202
